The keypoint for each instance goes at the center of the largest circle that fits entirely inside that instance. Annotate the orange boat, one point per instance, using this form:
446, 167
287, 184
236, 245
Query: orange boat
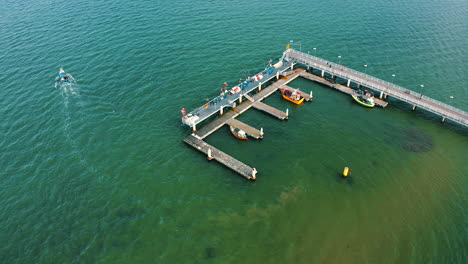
238, 133
294, 97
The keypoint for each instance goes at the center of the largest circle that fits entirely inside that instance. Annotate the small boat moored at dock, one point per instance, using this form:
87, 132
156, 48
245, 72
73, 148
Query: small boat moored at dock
294, 97
365, 99
238, 133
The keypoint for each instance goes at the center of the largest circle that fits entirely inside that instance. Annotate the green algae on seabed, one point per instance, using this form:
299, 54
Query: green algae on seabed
416, 140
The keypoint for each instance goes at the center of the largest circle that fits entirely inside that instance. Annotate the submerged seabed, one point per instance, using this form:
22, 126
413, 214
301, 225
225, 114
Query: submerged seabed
101, 175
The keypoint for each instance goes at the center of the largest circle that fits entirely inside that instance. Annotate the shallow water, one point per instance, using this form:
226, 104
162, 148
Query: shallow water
99, 173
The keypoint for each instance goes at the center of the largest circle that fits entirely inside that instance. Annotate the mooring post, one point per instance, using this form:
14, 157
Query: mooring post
259, 87
240, 99
254, 174
323, 73
381, 94
311, 94
287, 112
221, 110
261, 132
349, 82
277, 75
209, 154
443, 119
292, 66
194, 127
414, 107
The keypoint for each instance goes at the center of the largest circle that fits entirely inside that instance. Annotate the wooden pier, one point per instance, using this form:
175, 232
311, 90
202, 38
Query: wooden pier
270, 110
232, 105
228, 118
223, 158
229, 98
241, 108
338, 86
385, 88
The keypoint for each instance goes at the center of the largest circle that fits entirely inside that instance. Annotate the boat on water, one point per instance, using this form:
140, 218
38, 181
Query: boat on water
238, 133
365, 99
64, 78
294, 97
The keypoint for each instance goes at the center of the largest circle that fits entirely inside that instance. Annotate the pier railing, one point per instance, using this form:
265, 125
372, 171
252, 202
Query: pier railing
378, 84
219, 102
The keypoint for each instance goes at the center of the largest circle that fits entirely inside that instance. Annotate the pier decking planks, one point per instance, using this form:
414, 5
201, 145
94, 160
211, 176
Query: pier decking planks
221, 157
249, 98
270, 110
215, 124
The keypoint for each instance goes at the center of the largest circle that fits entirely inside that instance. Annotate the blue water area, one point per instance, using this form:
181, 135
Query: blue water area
97, 172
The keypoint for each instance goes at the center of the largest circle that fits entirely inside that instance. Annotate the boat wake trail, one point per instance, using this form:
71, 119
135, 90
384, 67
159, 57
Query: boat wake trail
68, 91
74, 121
68, 87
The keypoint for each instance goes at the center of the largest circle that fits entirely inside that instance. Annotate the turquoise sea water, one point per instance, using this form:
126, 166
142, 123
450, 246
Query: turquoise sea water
98, 172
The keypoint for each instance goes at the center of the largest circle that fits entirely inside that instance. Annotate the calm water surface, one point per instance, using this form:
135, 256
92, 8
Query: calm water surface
98, 173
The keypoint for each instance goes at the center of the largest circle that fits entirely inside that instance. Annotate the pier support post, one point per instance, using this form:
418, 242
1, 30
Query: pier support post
310, 95
292, 66
209, 154
381, 94
259, 87
287, 112
349, 82
261, 132
194, 127
323, 73
254, 174
443, 119
277, 75
221, 110
240, 99
414, 107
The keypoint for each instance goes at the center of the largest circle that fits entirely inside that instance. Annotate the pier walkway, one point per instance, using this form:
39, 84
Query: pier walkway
221, 157
338, 86
230, 104
229, 98
228, 118
270, 110
384, 87
255, 102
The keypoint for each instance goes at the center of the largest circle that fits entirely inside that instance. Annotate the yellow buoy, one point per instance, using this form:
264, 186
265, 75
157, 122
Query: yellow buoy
345, 171
288, 46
